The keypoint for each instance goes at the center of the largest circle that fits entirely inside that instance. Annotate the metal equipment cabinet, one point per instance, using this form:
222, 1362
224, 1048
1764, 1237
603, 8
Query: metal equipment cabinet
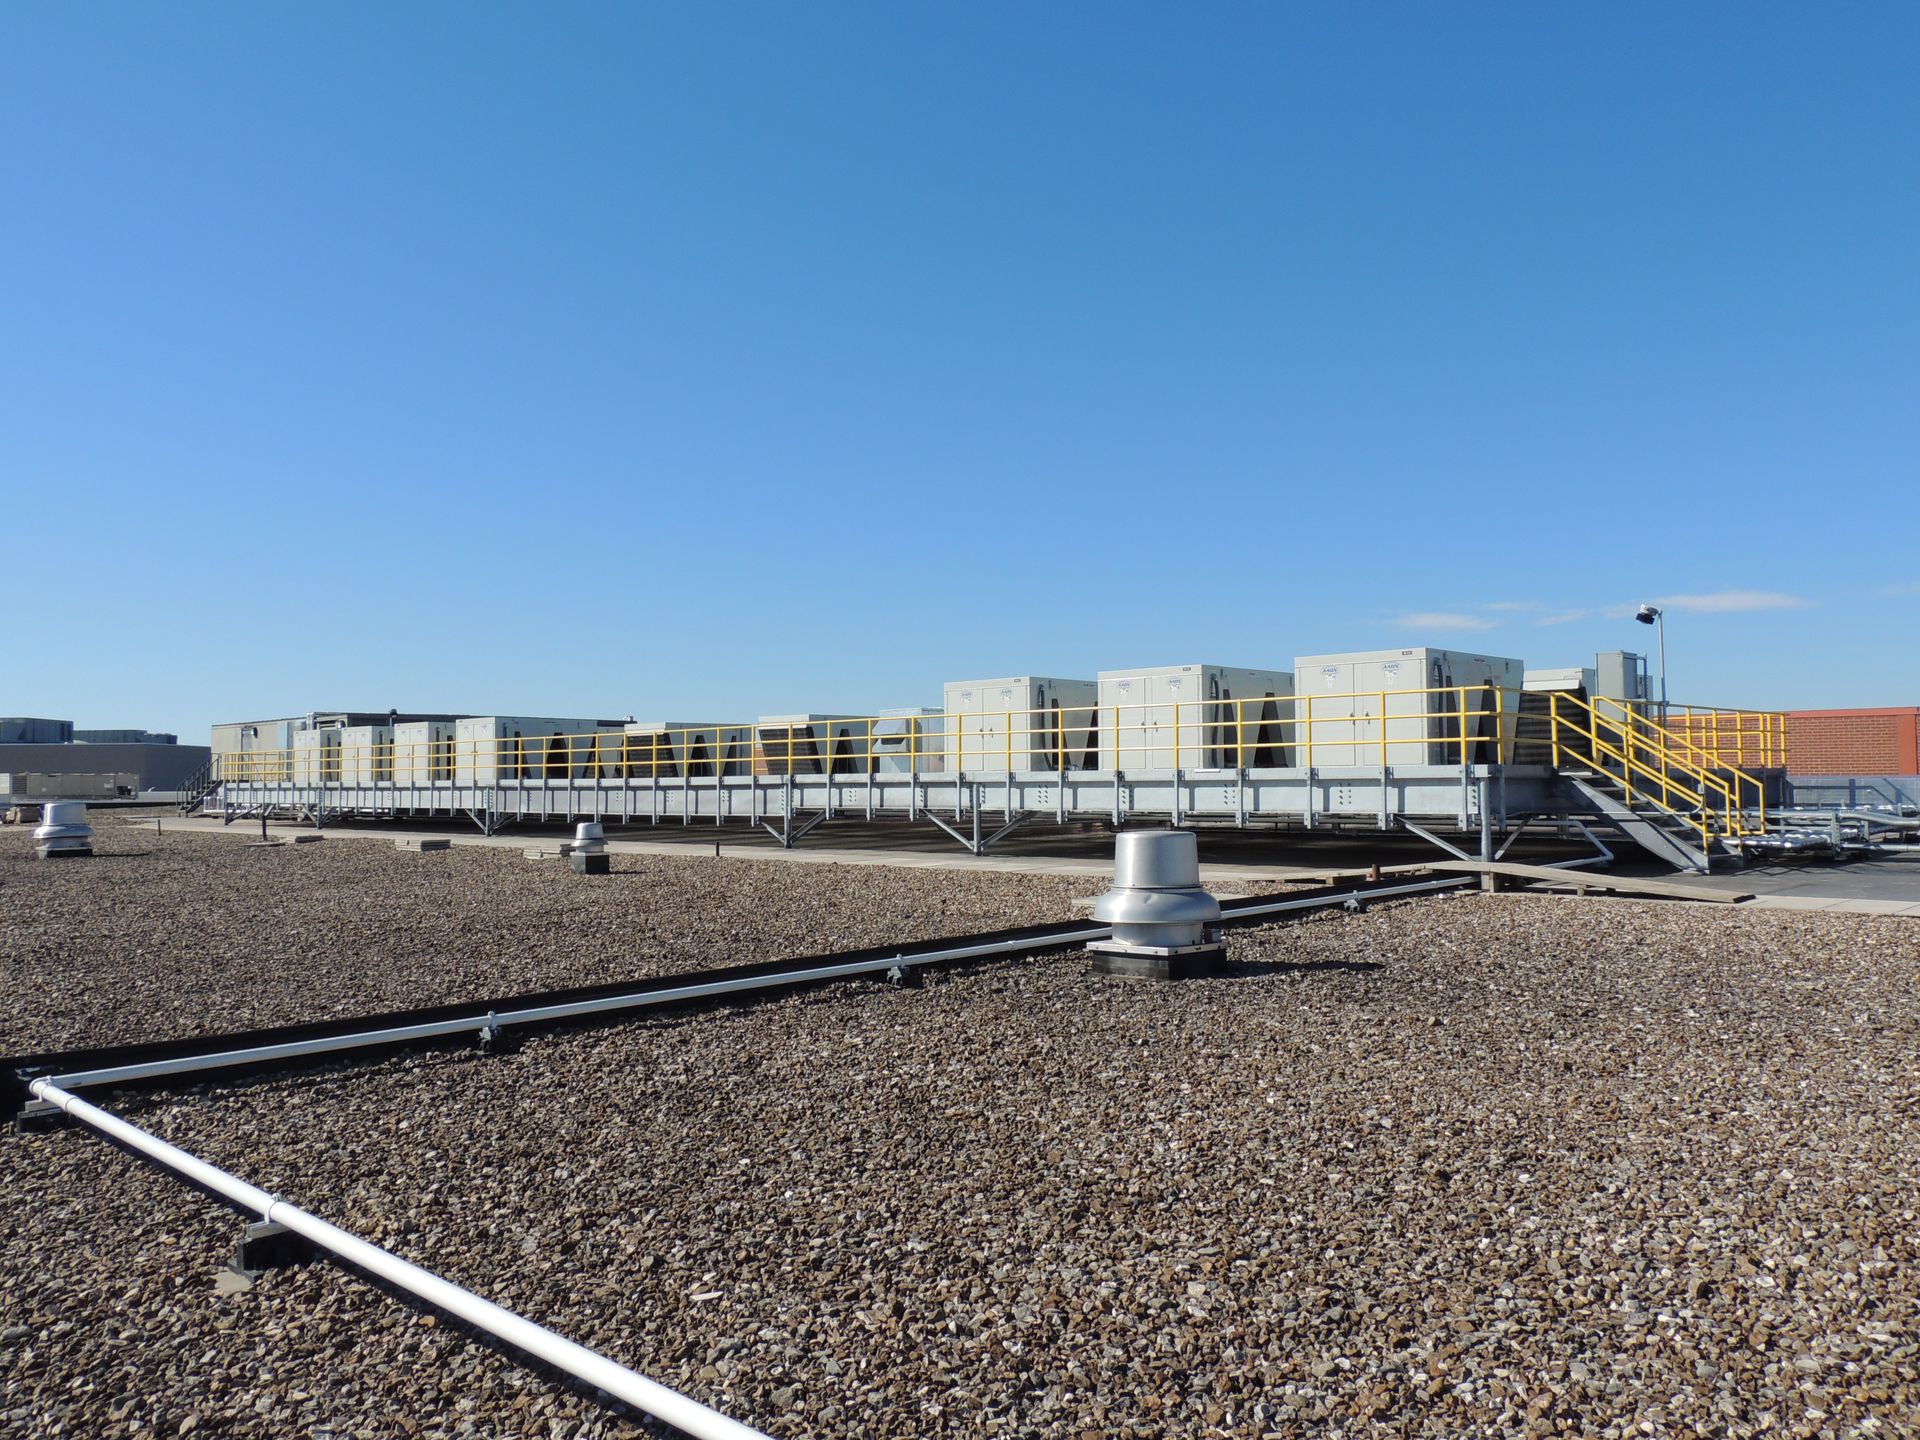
492, 748
1339, 719
316, 757
1195, 717
1022, 723
366, 754
673, 749
423, 752
810, 745
909, 741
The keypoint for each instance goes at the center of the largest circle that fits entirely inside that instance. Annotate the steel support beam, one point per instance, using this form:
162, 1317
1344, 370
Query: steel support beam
1433, 839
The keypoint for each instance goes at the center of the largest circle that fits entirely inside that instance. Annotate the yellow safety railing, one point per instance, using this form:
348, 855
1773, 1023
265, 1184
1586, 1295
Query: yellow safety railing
1742, 739
1699, 759
1453, 725
1659, 764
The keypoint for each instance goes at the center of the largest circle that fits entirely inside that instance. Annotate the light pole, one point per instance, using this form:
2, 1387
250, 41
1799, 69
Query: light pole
1653, 615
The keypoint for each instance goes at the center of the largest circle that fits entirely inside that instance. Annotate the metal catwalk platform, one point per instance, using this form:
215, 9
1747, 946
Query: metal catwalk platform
1480, 761
1480, 800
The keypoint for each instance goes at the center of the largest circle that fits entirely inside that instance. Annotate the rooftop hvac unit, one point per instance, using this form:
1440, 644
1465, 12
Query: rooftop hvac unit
1621, 675
912, 741
255, 750
491, 748
69, 785
811, 745
1195, 717
1568, 679
423, 752
673, 749
316, 757
32, 730
1540, 704
366, 754
1406, 707
1022, 723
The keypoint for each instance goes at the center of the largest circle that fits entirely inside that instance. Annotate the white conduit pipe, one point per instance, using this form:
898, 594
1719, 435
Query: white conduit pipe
635, 1389
534, 1014
426, 1030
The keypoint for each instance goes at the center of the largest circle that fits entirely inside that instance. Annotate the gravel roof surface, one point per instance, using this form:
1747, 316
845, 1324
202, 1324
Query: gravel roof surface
1491, 1165
183, 933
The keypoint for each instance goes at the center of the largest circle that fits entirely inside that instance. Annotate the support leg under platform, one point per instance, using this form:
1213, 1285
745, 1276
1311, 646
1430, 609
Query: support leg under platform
266, 1245
789, 834
978, 843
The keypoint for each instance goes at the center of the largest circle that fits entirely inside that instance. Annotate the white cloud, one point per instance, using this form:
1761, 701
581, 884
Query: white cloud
1730, 602
1901, 592
1443, 620
1517, 606
1563, 617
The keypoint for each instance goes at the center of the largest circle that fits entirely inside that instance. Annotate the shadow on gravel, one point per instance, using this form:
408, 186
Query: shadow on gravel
1254, 969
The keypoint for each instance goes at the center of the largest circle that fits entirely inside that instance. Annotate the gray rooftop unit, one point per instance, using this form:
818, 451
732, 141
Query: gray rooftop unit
366, 754
1195, 717
1621, 675
1022, 723
18, 785
32, 730
681, 749
811, 744
257, 750
1567, 679
423, 752
910, 741
519, 748
316, 757
1340, 721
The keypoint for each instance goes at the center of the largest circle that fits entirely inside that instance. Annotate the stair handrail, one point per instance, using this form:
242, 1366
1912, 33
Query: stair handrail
1669, 787
1622, 718
200, 784
1766, 732
1710, 764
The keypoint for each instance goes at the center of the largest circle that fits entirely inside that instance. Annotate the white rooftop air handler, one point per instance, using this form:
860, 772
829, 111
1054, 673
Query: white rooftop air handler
366, 754
911, 741
423, 752
1402, 707
676, 749
1022, 723
811, 745
492, 748
316, 757
1565, 679
1195, 717
260, 750
1621, 675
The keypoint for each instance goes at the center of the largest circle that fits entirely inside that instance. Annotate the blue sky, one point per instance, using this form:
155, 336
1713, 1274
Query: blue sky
705, 361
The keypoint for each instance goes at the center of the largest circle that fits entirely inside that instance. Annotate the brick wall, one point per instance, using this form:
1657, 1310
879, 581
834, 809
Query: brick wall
1854, 742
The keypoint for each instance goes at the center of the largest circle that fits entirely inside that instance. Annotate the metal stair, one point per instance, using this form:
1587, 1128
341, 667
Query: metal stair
1662, 833
195, 789
1533, 729
1674, 798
